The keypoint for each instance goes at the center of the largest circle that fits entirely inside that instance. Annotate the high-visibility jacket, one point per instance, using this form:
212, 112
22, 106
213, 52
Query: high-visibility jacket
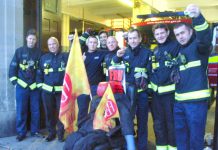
213, 70
51, 71
161, 70
22, 69
136, 60
193, 84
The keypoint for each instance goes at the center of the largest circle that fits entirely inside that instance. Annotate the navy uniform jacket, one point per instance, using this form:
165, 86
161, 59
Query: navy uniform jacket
193, 84
94, 67
160, 78
23, 67
136, 60
51, 71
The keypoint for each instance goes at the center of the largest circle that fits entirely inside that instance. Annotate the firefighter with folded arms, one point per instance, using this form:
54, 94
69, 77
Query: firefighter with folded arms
50, 76
192, 91
138, 67
163, 88
22, 73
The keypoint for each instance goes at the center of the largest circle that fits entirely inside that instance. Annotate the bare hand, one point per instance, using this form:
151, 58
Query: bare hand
121, 52
192, 11
70, 37
84, 56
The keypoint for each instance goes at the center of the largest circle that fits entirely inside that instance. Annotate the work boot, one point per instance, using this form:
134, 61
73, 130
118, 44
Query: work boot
20, 137
50, 137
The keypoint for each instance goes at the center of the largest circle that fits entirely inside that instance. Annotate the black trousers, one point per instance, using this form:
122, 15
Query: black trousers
162, 108
51, 103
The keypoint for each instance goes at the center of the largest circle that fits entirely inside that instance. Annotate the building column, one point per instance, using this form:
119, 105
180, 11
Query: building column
65, 30
11, 30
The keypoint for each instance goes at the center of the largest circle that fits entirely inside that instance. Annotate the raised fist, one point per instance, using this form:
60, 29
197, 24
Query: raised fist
192, 11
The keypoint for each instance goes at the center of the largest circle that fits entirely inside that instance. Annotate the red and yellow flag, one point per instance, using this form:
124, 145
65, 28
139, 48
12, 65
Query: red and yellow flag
75, 83
106, 111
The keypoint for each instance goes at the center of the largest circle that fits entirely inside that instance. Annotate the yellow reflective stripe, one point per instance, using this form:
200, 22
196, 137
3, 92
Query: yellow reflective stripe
61, 69
152, 86
22, 83
113, 63
58, 88
83, 38
192, 95
39, 85
33, 86
23, 67
140, 69
167, 88
213, 59
13, 78
164, 147
172, 147
201, 27
47, 87
190, 65
140, 90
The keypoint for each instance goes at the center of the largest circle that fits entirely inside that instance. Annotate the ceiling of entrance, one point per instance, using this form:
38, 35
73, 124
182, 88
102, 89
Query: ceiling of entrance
100, 10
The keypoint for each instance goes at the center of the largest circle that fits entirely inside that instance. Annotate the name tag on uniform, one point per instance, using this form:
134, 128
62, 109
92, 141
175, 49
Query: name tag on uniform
96, 57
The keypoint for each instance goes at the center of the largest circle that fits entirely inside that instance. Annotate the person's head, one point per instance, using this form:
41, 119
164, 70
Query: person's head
134, 38
161, 32
53, 45
183, 33
103, 38
112, 43
31, 38
92, 43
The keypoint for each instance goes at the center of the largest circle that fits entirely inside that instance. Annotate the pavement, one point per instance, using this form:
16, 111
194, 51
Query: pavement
36, 143
29, 143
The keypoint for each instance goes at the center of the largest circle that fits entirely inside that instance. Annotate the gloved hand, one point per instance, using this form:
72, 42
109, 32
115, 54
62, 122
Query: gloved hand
174, 76
141, 80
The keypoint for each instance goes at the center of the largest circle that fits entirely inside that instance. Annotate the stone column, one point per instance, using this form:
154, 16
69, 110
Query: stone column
11, 29
65, 30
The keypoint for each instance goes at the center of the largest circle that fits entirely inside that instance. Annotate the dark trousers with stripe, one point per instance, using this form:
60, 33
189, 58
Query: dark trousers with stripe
190, 122
51, 102
162, 111
142, 120
24, 98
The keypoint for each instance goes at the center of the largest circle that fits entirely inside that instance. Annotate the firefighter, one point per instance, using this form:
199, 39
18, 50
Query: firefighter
103, 35
138, 66
22, 74
192, 91
93, 60
50, 75
163, 87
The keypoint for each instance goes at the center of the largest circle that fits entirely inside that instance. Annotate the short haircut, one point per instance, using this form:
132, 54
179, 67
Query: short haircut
102, 31
31, 32
90, 38
188, 26
55, 39
159, 25
135, 30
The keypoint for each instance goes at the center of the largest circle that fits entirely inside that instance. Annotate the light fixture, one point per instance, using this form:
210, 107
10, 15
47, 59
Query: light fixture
127, 2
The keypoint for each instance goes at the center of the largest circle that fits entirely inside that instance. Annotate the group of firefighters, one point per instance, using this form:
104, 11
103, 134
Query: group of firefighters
174, 74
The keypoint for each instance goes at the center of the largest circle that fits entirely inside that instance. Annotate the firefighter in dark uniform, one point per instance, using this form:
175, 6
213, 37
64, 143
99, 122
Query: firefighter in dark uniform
103, 35
163, 87
124, 103
22, 73
50, 75
138, 68
93, 60
192, 91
